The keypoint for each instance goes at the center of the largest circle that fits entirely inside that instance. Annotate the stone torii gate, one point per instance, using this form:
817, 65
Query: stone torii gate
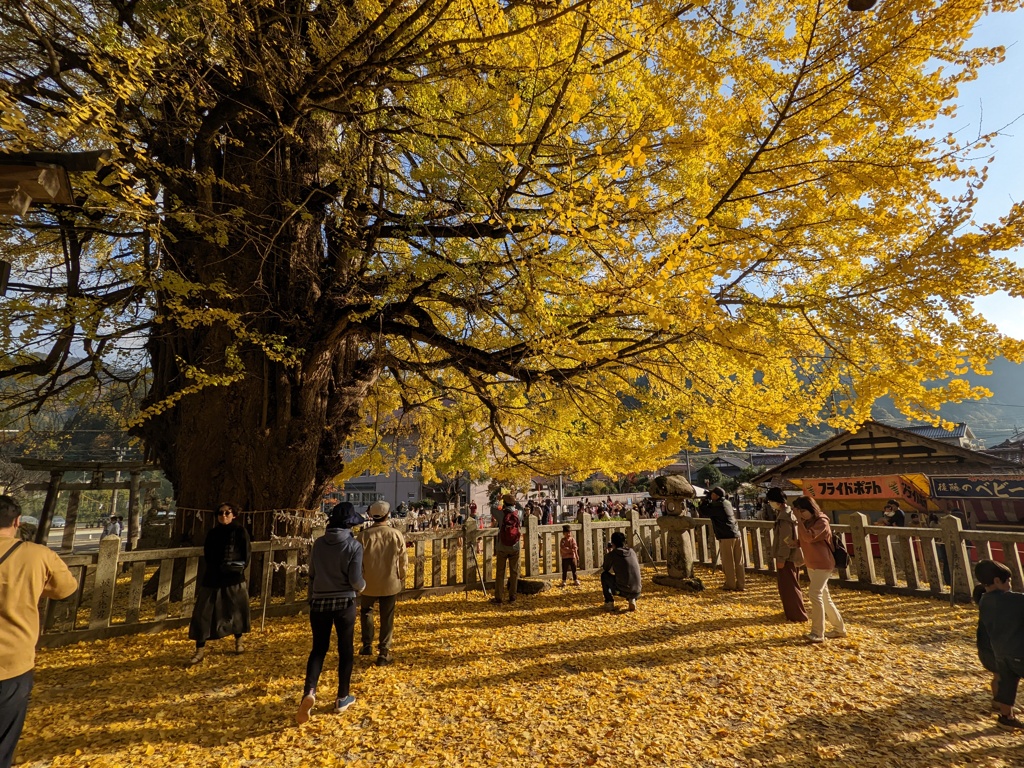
99, 470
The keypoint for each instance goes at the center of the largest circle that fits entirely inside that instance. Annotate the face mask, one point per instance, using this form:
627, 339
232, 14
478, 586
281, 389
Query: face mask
889, 513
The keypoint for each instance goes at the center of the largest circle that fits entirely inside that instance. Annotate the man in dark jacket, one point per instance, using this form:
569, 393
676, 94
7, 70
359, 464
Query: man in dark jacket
620, 574
893, 515
723, 521
1001, 616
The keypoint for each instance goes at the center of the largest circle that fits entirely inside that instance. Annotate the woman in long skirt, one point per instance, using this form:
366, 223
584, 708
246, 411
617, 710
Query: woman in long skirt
788, 559
222, 605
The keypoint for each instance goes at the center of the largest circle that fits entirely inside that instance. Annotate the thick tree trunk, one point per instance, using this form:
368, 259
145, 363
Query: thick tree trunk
269, 437
269, 441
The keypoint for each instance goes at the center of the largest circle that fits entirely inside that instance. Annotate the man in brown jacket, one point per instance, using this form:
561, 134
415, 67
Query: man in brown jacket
27, 573
384, 563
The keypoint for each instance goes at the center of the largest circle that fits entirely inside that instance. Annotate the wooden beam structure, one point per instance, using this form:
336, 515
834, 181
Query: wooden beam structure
98, 469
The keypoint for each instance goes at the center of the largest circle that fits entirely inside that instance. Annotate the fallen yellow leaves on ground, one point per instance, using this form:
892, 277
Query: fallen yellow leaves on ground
712, 679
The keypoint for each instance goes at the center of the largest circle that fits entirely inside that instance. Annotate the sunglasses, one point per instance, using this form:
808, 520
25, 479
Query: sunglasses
223, 512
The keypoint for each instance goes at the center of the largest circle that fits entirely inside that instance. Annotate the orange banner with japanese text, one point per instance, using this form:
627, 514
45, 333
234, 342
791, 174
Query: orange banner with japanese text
866, 488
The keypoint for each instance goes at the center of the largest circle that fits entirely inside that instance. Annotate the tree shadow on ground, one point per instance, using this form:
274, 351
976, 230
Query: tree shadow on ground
921, 726
610, 654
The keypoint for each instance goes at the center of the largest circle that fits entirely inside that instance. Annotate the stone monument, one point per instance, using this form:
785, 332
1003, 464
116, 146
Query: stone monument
676, 523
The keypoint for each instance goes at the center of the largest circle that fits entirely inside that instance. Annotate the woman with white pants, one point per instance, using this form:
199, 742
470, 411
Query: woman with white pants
815, 536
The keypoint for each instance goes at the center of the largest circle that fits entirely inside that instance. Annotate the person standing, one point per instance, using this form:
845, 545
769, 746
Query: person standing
723, 522
788, 558
222, 605
570, 554
335, 578
894, 517
28, 572
815, 539
385, 561
620, 573
506, 550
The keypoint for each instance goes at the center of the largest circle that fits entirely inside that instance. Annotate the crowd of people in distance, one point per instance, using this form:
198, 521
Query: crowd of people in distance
434, 519
544, 510
609, 509
114, 526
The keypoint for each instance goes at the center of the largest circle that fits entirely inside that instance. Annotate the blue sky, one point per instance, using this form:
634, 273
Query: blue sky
995, 100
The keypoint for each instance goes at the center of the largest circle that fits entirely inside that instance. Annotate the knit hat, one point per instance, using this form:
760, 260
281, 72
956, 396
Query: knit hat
379, 510
344, 515
776, 495
718, 491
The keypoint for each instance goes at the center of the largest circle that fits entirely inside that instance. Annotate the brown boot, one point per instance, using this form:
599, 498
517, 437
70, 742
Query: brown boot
305, 708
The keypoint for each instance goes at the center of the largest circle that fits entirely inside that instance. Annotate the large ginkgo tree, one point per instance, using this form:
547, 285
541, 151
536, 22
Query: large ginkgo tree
552, 234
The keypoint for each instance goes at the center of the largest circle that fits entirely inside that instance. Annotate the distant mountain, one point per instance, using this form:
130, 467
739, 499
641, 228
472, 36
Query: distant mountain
992, 420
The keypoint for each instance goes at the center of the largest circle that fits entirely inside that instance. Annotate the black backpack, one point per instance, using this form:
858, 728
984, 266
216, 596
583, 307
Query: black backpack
842, 557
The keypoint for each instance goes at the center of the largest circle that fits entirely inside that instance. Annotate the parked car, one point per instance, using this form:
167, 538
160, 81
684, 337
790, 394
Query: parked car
58, 522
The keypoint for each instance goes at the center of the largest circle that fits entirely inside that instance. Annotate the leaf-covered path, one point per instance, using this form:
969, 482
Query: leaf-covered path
716, 679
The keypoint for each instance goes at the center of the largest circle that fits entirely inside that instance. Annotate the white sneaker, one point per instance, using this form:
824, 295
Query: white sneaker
816, 638
833, 634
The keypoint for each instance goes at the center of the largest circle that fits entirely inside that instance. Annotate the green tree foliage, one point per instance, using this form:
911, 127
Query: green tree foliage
709, 476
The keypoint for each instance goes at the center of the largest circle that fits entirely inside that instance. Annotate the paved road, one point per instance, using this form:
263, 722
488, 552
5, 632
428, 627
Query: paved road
86, 539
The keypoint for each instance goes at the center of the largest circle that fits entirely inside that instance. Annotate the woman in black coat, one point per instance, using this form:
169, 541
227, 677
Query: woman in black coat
222, 605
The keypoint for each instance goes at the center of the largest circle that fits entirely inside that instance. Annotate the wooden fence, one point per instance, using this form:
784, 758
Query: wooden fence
149, 590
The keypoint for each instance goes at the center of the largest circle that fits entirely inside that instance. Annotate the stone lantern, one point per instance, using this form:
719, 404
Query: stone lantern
676, 523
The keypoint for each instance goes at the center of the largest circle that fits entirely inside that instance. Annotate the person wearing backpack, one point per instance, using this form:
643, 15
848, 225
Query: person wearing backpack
506, 549
815, 539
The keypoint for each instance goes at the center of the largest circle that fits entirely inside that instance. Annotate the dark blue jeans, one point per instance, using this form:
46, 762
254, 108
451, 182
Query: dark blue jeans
14, 693
322, 622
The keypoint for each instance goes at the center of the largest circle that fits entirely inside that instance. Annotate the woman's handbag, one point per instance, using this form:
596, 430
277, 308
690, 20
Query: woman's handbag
235, 550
